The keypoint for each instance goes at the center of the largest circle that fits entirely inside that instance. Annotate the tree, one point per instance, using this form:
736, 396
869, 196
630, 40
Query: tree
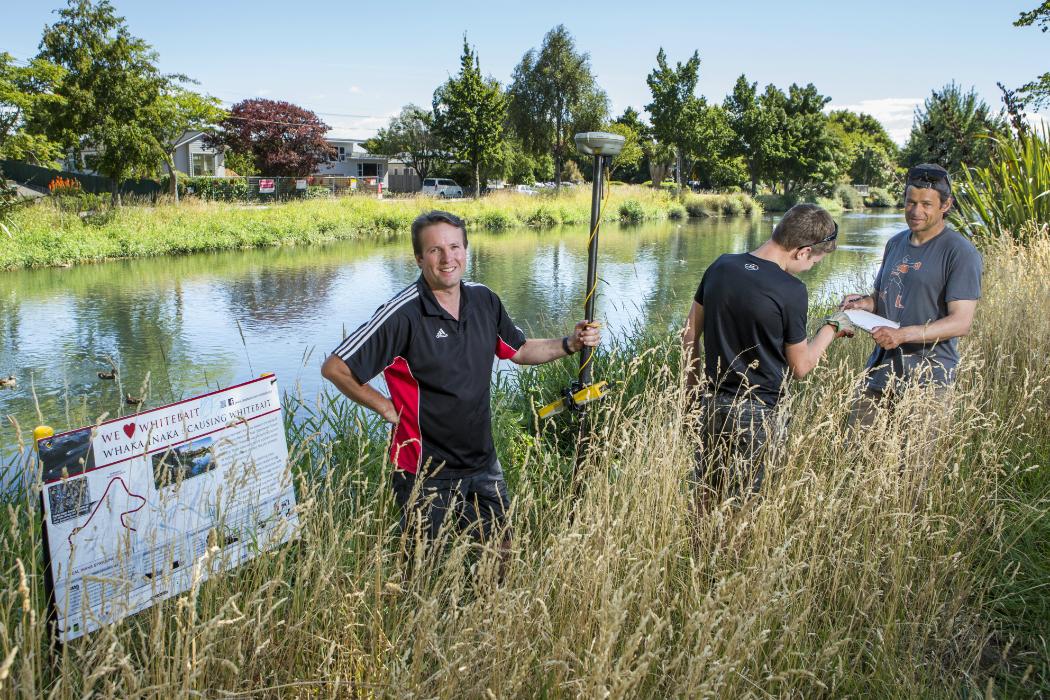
631, 154
26, 92
554, 95
952, 129
867, 154
111, 90
713, 164
182, 110
754, 130
1036, 92
410, 136
661, 157
808, 149
283, 139
469, 112
675, 110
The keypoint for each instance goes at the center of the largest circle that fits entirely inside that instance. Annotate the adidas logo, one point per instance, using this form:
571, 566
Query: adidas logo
441, 333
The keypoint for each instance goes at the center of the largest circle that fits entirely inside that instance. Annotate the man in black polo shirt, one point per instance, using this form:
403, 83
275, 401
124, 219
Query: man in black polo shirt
434, 342
752, 311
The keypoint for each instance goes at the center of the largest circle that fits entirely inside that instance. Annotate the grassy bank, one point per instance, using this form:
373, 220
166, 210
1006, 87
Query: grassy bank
903, 562
43, 235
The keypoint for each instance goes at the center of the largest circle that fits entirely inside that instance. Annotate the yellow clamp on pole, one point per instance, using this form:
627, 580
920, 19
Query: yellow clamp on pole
42, 431
584, 396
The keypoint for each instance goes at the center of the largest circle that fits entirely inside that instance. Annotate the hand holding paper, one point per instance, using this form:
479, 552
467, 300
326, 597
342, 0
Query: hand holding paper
869, 321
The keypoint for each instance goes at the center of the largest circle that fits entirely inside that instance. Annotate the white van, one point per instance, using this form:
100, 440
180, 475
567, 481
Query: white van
441, 187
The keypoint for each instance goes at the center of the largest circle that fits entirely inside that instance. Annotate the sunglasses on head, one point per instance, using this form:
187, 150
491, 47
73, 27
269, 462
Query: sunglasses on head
929, 176
826, 239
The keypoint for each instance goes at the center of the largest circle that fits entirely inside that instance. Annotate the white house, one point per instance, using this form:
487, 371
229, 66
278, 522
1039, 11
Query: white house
352, 160
192, 157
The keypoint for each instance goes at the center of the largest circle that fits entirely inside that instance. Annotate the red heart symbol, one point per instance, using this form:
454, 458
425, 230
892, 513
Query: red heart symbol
129, 429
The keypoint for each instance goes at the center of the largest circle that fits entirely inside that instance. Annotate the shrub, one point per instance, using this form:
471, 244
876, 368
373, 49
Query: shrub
732, 206
542, 217
61, 186
676, 212
777, 202
879, 198
493, 220
1009, 193
848, 197
632, 212
318, 192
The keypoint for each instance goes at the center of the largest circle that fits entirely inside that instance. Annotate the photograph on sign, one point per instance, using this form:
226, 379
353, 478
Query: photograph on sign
142, 508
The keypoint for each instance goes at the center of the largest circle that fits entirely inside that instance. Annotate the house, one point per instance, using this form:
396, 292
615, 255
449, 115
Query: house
192, 158
402, 177
352, 160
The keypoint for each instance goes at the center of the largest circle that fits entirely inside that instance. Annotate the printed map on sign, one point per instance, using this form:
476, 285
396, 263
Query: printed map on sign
141, 508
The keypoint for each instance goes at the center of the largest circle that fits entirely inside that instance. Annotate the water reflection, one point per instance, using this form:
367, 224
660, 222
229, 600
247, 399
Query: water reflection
202, 321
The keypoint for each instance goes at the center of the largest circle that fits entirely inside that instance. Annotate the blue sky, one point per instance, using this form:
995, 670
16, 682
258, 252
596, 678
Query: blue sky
357, 63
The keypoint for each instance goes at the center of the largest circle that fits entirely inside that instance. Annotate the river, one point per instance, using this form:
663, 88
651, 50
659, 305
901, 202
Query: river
202, 321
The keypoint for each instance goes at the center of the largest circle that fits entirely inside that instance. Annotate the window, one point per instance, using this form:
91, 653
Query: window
203, 164
368, 170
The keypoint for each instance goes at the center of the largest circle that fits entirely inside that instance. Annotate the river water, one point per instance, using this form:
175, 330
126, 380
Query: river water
204, 321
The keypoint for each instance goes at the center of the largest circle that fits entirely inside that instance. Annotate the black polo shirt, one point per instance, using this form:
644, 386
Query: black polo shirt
438, 371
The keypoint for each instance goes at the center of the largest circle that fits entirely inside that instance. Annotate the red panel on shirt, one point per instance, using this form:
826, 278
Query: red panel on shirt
406, 449
504, 351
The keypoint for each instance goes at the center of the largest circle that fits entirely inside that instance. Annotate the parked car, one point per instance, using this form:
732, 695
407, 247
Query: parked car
442, 187
523, 189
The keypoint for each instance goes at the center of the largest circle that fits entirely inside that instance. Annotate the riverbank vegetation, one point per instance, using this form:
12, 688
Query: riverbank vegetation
907, 560
50, 233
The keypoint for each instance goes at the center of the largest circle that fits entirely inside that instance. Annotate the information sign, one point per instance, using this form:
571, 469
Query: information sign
142, 508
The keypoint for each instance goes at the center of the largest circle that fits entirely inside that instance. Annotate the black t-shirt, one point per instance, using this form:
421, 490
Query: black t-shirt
752, 309
438, 371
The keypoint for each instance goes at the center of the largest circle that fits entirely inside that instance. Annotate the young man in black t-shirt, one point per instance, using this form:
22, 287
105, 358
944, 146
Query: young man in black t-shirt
752, 311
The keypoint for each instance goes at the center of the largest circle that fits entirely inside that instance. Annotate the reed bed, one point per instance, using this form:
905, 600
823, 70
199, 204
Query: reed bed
905, 561
45, 235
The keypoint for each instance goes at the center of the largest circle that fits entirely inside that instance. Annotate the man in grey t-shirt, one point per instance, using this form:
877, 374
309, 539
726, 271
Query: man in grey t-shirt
929, 283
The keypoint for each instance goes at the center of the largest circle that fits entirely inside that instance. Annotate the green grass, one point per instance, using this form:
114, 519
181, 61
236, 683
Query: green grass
906, 561
46, 235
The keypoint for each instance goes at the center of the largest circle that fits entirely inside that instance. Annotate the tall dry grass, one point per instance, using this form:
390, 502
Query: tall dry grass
875, 564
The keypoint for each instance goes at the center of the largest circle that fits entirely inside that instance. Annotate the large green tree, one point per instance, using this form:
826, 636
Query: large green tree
469, 112
412, 137
807, 155
676, 112
112, 91
26, 93
952, 129
553, 95
867, 154
755, 138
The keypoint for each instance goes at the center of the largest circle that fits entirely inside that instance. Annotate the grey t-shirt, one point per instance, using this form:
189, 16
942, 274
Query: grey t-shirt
913, 288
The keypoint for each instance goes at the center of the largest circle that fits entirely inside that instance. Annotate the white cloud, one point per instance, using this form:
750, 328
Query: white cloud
263, 92
895, 113
355, 127
355, 89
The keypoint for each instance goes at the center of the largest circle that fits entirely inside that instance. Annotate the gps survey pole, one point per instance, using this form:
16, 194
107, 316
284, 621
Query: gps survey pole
604, 147
598, 144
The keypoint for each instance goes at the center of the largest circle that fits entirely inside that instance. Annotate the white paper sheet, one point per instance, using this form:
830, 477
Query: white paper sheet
869, 321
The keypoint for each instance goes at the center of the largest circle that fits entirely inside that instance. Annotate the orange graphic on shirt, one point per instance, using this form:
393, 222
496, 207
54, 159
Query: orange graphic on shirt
899, 270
